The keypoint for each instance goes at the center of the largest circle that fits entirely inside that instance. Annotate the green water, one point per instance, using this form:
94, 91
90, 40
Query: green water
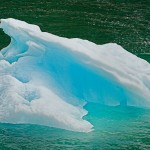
126, 22
115, 128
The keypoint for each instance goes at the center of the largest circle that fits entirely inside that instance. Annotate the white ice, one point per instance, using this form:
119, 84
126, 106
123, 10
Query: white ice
46, 79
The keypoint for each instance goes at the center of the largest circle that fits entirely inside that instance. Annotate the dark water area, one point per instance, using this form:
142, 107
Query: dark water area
125, 22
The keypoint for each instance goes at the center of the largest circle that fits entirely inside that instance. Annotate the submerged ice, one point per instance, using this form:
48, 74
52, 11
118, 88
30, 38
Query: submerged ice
46, 79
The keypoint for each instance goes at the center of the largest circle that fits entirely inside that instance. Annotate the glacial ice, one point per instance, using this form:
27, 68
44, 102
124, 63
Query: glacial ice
46, 79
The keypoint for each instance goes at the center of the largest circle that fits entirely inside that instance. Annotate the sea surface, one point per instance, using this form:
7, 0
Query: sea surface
125, 22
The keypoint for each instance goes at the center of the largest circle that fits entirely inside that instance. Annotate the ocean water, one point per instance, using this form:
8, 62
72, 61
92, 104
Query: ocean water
115, 128
122, 22
125, 22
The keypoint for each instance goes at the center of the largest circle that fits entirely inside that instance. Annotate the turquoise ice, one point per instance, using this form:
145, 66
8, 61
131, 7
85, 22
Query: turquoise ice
46, 79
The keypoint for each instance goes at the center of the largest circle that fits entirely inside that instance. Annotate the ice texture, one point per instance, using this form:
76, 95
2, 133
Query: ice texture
46, 79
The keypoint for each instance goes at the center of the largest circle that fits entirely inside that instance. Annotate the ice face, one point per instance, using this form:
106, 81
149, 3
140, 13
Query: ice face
46, 79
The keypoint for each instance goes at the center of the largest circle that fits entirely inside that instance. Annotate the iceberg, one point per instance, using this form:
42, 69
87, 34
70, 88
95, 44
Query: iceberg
46, 79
